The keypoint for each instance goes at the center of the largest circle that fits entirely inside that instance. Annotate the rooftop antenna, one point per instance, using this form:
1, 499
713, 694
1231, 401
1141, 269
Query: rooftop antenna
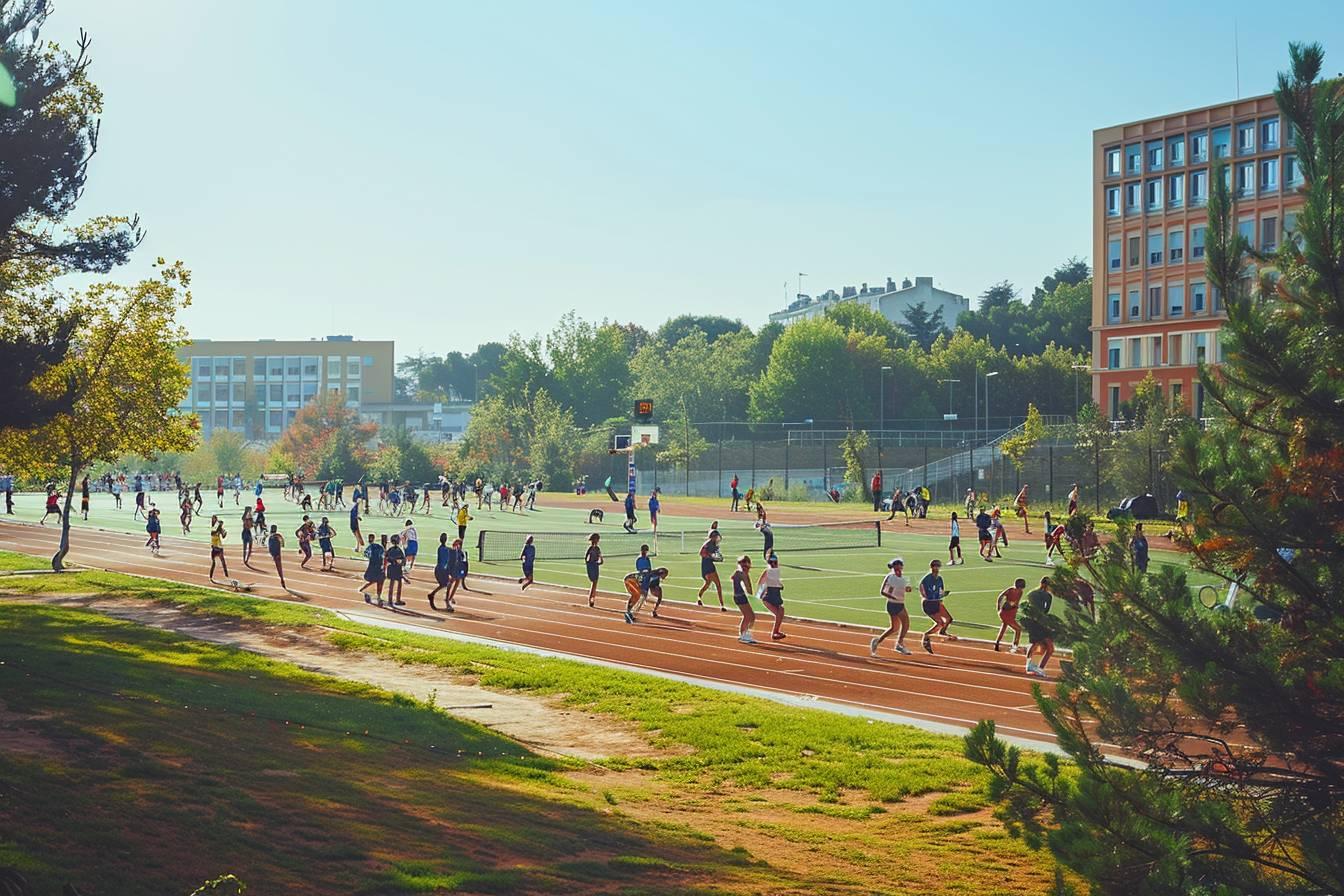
1236, 54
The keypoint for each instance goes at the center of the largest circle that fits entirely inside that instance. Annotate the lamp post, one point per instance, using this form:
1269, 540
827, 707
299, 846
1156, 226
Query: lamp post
881, 410
686, 418
949, 400
1076, 368
991, 454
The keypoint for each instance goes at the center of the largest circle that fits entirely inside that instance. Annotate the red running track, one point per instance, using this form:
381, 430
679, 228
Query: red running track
819, 662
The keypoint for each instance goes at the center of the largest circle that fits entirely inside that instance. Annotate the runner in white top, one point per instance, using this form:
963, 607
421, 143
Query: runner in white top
770, 589
894, 589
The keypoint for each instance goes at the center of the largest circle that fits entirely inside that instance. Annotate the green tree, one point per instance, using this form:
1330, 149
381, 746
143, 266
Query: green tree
126, 383
855, 318
552, 441
818, 369
1238, 715
306, 442
922, 326
852, 447
1017, 447
590, 368
711, 325
1070, 273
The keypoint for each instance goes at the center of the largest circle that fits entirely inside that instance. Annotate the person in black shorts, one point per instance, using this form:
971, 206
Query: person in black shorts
983, 523
932, 591
396, 562
742, 597
528, 558
768, 534
709, 553
592, 560
374, 574
894, 589
274, 544
442, 569
247, 536
771, 590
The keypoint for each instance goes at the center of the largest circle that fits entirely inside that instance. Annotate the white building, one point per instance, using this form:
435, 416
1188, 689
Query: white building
891, 301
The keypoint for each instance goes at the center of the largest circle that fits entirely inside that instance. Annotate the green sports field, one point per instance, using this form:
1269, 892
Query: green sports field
835, 584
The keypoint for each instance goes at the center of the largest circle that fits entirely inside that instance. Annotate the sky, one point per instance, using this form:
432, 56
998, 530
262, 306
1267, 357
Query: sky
444, 174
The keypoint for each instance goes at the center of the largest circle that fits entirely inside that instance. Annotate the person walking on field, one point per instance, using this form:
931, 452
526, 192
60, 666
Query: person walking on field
396, 560
217, 534
274, 544
655, 505
84, 498
983, 524
1054, 540
1138, 546
153, 528
932, 592
1007, 603
877, 491
457, 572
247, 536
709, 554
354, 527
325, 532
1040, 630
741, 579
954, 543
1073, 499
1020, 508
410, 541
53, 506
463, 517
304, 535
629, 524
970, 501
770, 589
737, 496
592, 561
894, 589
768, 535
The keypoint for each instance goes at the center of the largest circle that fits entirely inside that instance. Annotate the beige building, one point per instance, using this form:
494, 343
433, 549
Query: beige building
1153, 310
256, 387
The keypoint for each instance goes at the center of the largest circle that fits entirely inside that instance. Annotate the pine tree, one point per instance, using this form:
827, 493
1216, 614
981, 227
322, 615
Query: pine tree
1237, 715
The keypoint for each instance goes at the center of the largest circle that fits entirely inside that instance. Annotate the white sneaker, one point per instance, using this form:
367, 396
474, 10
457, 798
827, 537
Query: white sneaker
746, 638
1014, 649
872, 647
901, 649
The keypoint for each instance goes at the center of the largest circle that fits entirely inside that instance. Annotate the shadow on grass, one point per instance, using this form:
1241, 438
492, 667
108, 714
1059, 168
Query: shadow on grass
154, 762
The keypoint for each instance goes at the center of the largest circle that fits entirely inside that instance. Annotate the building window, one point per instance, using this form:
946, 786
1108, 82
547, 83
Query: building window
1176, 151
1154, 248
1201, 341
1133, 159
1135, 352
1197, 242
1197, 297
239, 393
1176, 299
1199, 147
1246, 230
1269, 133
1113, 253
1199, 187
309, 390
236, 420
1269, 176
1154, 302
352, 394
1113, 354
1217, 300
334, 367
273, 419
1112, 202
240, 367
1290, 228
1134, 250
293, 367
203, 368
1176, 246
1133, 195
259, 366
1292, 172
1134, 307
222, 366
1155, 351
1246, 179
1113, 308
1269, 233
1115, 403
259, 395
1174, 356
310, 368
1177, 401
1245, 138
277, 393
292, 393
1155, 155
1176, 190
203, 394
1113, 162
276, 367
352, 367
1222, 142
1153, 190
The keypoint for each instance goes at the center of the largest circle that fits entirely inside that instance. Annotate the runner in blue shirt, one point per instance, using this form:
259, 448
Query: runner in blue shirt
654, 506
354, 526
643, 570
375, 574
629, 525
932, 591
529, 557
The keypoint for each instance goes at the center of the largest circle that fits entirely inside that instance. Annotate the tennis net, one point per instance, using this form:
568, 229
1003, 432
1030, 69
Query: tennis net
500, 544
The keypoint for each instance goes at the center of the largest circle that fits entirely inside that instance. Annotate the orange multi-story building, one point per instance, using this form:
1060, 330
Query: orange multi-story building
1153, 310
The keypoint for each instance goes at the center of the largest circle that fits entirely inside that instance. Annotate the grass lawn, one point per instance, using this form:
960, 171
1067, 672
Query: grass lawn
145, 763
839, 585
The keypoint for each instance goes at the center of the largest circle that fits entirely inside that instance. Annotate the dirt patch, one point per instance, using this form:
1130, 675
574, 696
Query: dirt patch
16, 737
543, 725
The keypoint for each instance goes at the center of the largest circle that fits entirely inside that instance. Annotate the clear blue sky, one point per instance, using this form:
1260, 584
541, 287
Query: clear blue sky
445, 173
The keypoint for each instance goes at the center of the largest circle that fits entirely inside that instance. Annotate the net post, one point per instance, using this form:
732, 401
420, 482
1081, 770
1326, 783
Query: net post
878, 524
480, 546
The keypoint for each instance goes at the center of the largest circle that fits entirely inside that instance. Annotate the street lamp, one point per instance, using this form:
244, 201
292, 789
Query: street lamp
1077, 367
881, 410
987, 376
949, 400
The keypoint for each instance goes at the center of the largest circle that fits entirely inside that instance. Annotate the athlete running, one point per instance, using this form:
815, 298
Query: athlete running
954, 543
770, 589
374, 574
217, 534
643, 569
592, 559
932, 592
1007, 603
274, 544
894, 589
528, 558
396, 562
741, 579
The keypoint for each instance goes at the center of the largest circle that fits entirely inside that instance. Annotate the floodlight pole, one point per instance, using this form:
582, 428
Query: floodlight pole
686, 418
1076, 368
881, 411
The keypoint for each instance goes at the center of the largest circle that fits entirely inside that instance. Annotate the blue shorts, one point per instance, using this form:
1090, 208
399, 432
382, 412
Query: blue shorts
774, 597
527, 570
592, 571
325, 545
412, 548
